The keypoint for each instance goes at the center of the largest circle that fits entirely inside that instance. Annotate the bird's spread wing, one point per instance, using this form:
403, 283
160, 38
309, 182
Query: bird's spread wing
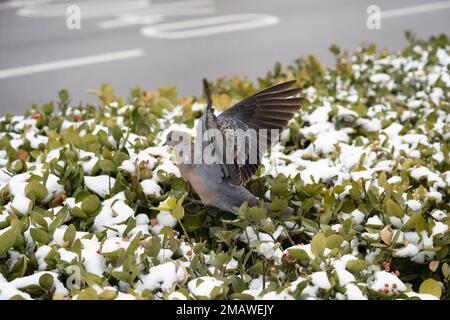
269, 109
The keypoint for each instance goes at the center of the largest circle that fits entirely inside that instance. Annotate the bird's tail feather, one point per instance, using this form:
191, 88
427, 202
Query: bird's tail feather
207, 93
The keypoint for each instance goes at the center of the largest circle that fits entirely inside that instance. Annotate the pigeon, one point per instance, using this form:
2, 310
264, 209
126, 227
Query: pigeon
221, 184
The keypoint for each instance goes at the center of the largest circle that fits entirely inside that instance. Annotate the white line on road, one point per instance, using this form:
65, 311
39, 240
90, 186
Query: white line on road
70, 63
406, 11
207, 26
90, 9
151, 17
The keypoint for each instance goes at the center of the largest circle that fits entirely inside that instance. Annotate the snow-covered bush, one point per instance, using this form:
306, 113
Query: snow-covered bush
92, 206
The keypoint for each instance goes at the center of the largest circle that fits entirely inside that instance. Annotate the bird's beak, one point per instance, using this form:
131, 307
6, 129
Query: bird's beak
164, 144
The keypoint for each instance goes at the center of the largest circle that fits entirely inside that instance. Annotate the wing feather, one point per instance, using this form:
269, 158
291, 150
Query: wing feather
271, 109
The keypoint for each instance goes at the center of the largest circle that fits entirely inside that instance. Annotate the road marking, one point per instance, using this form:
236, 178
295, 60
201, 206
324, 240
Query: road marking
125, 13
208, 26
159, 13
91, 9
406, 11
70, 63
14, 4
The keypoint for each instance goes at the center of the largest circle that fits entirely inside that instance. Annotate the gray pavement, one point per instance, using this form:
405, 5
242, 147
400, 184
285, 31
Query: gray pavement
28, 37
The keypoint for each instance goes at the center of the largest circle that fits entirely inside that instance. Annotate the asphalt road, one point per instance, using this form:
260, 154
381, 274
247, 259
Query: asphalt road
169, 42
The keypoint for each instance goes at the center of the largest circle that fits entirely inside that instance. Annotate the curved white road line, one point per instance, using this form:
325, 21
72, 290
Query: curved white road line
153, 17
207, 26
70, 63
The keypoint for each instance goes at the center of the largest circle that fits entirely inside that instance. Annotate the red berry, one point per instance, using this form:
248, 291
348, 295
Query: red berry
386, 290
59, 198
394, 285
386, 285
396, 293
22, 154
189, 253
36, 116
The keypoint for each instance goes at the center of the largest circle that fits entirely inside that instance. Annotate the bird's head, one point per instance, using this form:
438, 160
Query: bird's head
175, 138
